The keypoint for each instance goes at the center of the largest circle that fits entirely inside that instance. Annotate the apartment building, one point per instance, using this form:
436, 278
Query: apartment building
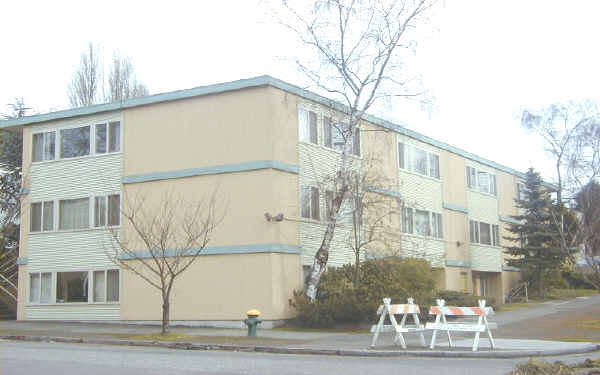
270, 147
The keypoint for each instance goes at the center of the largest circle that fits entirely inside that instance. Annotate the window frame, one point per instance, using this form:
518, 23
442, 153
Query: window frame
105, 271
107, 211
313, 207
42, 216
93, 134
306, 135
39, 281
406, 161
434, 231
44, 133
474, 184
494, 231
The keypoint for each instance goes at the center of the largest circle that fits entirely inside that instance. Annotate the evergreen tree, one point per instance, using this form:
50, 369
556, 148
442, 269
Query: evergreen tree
539, 253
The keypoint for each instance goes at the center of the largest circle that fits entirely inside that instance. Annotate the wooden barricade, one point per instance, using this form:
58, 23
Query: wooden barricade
405, 310
482, 325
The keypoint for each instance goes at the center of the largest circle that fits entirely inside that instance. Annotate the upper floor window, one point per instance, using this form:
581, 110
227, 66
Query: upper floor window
307, 126
40, 287
521, 191
42, 216
74, 214
107, 210
416, 160
44, 146
481, 181
484, 233
108, 137
421, 222
77, 142
336, 134
310, 203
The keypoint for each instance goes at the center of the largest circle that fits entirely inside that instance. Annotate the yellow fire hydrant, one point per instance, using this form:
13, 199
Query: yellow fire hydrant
252, 321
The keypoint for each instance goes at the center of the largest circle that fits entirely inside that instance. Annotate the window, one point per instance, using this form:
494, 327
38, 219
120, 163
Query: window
44, 146
521, 194
40, 287
101, 138
422, 225
495, 235
114, 136
75, 142
407, 220
436, 225
423, 222
307, 126
42, 216
74, 214
309, 201
107, 211
106, 286
328, 203
481, 181
71, 287
484, 233
336, 135
416, 160
474, 231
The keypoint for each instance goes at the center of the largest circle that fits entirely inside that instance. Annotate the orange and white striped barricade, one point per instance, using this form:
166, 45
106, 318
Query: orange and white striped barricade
405, 310
482, 325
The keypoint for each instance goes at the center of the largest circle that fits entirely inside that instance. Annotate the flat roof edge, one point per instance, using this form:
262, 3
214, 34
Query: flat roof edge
243, 84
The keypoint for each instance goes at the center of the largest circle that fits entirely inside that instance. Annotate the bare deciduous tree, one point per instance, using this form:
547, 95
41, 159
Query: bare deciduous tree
571, 133
85, 84
358, 48
161, 240
122, 81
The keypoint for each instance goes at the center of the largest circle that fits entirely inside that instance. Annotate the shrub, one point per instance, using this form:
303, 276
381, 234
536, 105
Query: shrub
339, 301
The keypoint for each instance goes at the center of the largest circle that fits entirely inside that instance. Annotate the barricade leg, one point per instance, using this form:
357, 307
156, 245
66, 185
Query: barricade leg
476, 339
417, 323
434, 334
489, 333
398, 336
379, 327
447, 331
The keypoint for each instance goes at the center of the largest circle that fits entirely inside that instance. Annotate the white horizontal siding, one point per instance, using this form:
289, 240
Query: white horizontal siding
83, 312
76, 178
69, 251
486, 258
482, 207
311, 237
420, 192
432, 250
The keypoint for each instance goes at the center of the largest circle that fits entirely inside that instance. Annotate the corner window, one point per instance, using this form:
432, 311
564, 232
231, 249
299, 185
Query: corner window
495, 235
407, 220
75, 142
40, 287
44, 146
74, 214
419, 161
474, 231
307, 126
422, 224
336, 134
42, 216
309, 202
71, 287
485, 236
436, 225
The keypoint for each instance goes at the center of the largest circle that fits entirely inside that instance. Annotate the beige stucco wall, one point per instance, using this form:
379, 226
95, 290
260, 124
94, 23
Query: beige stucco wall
214, 130
454, 280
219, 287
456, 233
453, 170
507, 188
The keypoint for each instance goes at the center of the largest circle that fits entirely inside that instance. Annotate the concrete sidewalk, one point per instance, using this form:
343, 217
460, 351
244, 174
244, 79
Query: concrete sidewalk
281, 341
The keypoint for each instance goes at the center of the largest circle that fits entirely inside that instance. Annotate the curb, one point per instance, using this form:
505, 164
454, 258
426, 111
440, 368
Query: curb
310, 351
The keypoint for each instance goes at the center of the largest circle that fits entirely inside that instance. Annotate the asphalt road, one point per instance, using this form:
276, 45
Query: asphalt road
65, 359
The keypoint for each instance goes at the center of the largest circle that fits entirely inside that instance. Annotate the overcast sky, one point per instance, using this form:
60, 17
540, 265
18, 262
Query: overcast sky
481, 60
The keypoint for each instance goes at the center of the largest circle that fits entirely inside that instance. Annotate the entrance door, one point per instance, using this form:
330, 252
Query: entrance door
483, 286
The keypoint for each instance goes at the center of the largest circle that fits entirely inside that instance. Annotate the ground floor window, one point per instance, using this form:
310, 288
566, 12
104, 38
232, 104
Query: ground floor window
70, 287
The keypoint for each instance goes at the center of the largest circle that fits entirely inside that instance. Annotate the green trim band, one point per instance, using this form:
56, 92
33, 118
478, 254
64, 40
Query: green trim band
458, 263
391, 193
511, 268
226, 250
22, 261
243, 84
455, 207
510, 220
220, 169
